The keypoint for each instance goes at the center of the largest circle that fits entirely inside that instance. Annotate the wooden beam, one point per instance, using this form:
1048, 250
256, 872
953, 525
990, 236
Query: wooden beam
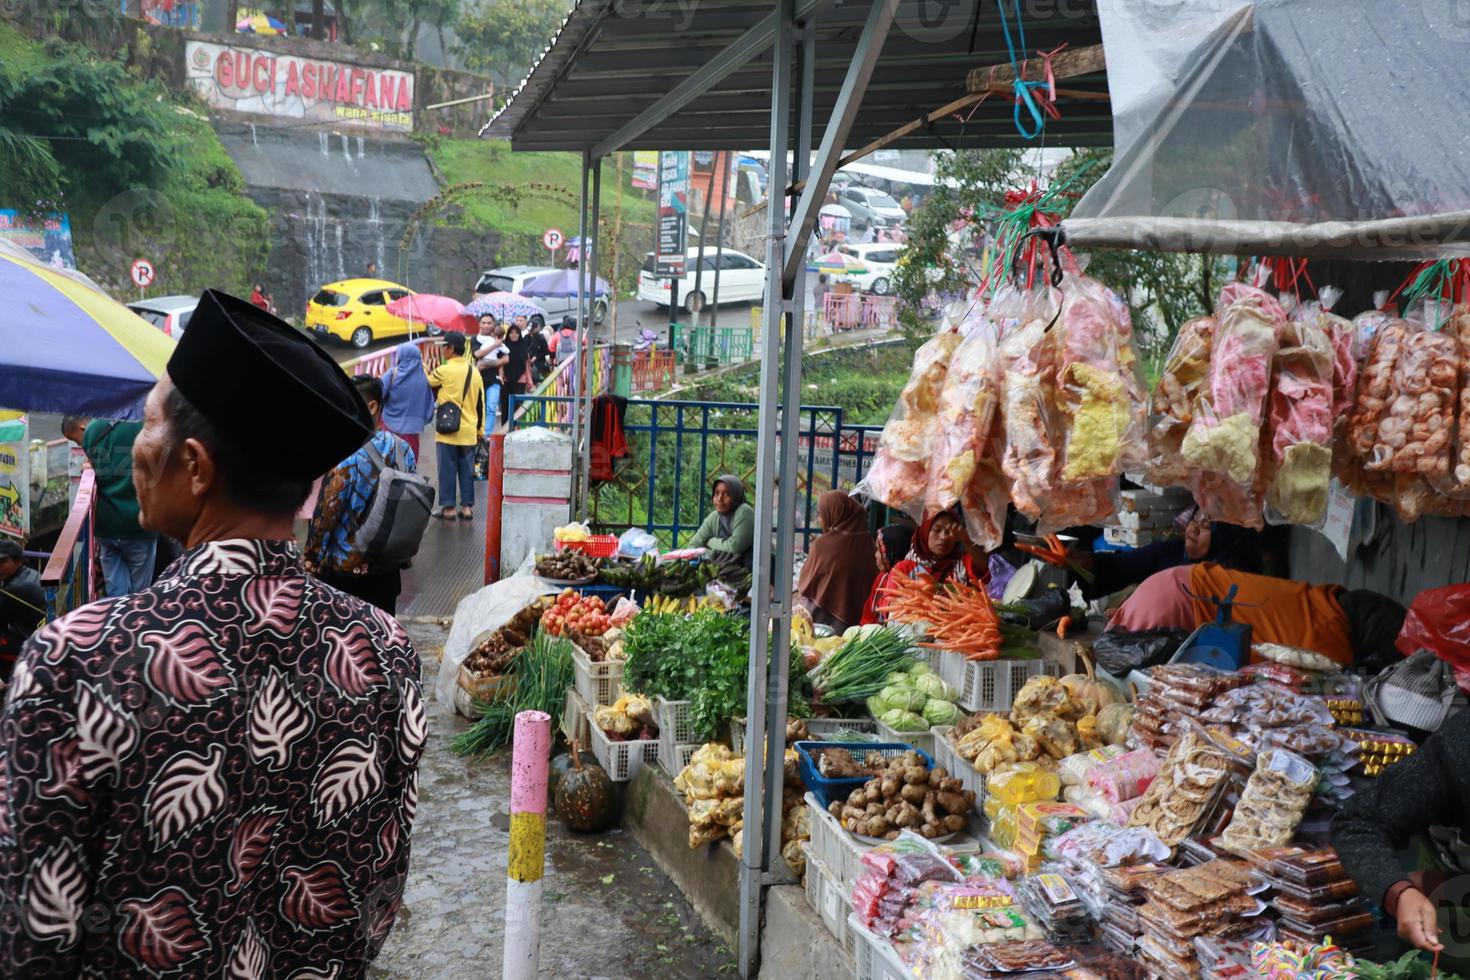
1066, 63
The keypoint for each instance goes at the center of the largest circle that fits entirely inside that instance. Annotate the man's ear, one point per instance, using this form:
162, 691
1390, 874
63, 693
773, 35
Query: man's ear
200, 466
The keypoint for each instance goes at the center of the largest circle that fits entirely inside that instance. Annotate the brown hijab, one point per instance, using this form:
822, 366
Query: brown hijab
840, 567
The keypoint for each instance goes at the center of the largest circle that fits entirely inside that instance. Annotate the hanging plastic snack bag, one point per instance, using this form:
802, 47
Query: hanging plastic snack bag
899, 475
1027, 358
1414, 434
967, 407
1224, 434
987, 496
1100, 398
1300, 423
1172, 407
1375, 392
1458, 326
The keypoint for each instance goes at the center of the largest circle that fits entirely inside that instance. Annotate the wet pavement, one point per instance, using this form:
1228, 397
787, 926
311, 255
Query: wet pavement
608, 911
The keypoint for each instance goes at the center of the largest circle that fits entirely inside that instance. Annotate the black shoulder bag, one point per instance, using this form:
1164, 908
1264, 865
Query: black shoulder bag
447, 415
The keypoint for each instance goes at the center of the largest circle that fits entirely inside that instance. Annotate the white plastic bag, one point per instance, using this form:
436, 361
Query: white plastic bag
490, 608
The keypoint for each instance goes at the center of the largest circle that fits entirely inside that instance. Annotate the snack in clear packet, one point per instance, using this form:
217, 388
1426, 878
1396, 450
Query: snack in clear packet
1172, 407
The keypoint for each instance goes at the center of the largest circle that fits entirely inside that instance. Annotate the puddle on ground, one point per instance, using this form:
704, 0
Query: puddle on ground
500, 820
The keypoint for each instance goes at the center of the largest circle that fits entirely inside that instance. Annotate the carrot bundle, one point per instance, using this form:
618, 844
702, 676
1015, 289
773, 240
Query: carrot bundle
960, 616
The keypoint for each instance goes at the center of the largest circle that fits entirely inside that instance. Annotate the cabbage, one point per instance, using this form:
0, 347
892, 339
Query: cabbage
931, 685
899, 677
903, 696
939, 712
904, 721
876, 706
920, 669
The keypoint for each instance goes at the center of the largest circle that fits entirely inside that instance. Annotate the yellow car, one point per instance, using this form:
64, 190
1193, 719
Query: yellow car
356, 310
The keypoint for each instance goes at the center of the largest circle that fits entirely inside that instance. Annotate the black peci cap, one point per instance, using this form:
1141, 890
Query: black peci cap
268, 388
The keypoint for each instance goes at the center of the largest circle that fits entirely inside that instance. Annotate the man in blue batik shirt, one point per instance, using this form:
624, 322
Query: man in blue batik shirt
331, 554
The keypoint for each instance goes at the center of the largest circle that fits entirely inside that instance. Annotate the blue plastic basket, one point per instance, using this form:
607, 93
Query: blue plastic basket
827, 790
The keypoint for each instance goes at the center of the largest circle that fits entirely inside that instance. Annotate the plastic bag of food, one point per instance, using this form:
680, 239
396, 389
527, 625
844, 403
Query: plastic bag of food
1375, 390
1172, 407
1027, 359
1414, 432
1224, 434
987, 497
1099, 395
1300, 423
967, 409
899, 475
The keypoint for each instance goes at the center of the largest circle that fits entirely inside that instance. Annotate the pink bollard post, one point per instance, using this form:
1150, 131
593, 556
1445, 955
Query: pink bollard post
526, 859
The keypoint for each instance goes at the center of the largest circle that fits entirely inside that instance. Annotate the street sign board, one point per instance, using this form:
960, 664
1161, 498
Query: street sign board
142, 273
553, 239
673, 214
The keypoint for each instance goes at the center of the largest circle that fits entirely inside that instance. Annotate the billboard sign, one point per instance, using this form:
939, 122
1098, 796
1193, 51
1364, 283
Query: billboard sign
15, 482
47, 237
284, 86
673, 214
645, 169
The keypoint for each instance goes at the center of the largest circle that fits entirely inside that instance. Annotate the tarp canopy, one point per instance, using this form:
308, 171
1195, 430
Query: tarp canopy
1291, 127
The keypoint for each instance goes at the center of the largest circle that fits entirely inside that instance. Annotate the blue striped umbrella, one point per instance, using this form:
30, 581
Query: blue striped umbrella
561, 283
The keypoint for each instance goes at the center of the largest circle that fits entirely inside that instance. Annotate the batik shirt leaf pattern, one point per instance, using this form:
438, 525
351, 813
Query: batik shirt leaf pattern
216, 776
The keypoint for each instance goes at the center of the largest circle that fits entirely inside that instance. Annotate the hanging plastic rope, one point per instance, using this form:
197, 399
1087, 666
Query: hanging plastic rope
1447, 280
1024, 210
1032, 128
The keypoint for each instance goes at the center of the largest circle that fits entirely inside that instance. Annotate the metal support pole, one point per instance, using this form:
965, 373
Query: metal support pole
591, 252
577, 372
714, 317
494, 501
709, 192
770, 638
526, 856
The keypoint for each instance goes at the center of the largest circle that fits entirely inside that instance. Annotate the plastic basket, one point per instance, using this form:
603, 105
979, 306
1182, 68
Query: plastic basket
576, 719
950, 668
874, 957
958, 766
597, 683
622, 760
596, 546
827, 790
673, 717
672, 758
992, 685
838, 851
818, 728
827, 897
923, 741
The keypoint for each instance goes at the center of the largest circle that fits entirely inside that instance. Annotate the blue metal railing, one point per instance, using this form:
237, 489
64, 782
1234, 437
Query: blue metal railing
675, 448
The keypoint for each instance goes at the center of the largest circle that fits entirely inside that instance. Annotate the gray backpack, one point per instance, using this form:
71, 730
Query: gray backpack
397, 513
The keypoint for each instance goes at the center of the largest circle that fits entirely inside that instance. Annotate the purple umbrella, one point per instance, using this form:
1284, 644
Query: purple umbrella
561, 283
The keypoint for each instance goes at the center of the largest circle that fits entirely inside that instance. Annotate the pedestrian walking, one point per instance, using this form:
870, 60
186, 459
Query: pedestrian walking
408, 403
490, 357
539, 350
517, 368
459, 425
127, 551
333, 553
216, 775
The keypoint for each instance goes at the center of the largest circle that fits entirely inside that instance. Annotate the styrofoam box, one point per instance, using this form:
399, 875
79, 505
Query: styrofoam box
597, 683
875, 957
622, 760
992, 685
824, 893
1123, 537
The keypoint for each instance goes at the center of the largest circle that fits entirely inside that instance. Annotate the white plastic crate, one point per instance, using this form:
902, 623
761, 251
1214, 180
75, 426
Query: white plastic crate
923, 741
992, 685
672, 757
622, 760
833, 905
875, 957
950, 668
840, 852
820, 729
576, 719
959, 767
674, 718
597, 683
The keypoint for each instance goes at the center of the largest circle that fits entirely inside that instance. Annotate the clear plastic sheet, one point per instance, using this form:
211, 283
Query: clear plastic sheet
1239, 124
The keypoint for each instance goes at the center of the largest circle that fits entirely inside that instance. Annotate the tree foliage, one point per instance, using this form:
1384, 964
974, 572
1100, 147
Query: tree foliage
1163, 289
503, 39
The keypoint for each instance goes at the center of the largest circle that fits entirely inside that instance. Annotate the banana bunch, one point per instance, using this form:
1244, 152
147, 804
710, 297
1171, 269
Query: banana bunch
662, 605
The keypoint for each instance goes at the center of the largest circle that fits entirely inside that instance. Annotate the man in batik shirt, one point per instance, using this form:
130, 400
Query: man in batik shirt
215, 776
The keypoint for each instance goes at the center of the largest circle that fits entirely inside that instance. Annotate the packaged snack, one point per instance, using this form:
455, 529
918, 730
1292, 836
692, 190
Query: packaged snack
1022, 782
1301, 423
1414, 433
1126, 777
1172, 407
1017, 957
1458, 327
1028, 369
1272, 805
1074, 768
1307, 868
1186, 788
1099, 395
967, 410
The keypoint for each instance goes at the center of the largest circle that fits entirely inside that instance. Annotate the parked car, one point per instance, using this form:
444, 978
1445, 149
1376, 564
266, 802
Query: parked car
168, 313
881, 258
512, 278
356, 311
742, 280
870, 207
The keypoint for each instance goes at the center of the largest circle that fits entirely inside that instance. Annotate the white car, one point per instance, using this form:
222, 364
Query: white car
881, 258
742, 280
512, 278
168, 313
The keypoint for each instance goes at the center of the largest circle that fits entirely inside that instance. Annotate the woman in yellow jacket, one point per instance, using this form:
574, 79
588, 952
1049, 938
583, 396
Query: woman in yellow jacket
456, 382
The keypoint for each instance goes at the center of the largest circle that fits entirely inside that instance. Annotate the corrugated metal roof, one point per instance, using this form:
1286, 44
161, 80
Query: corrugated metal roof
612, 59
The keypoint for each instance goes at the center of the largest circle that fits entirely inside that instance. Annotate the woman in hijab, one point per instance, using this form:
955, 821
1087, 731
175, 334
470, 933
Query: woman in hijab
730, 527
518, 351
894, 542
939, 552
839, 568
1234, 547
408, 402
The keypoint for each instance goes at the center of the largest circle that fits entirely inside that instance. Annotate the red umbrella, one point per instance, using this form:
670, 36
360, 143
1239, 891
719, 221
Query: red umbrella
444, 312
